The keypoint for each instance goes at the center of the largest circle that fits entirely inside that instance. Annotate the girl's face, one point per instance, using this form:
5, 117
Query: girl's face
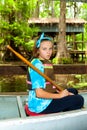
45, 50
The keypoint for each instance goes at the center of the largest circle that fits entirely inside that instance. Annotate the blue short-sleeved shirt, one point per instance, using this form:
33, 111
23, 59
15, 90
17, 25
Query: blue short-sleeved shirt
37, 104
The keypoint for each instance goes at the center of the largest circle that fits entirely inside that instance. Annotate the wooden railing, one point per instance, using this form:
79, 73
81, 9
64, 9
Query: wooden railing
75, 55
58, 69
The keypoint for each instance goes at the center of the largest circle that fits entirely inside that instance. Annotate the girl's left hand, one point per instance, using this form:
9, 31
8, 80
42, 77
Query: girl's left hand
70, 93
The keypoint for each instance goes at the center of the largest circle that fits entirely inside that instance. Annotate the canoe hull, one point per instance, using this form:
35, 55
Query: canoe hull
73, 120
77, 120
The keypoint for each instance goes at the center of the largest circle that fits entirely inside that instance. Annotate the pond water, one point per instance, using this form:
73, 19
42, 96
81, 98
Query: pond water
13, 84
17, 83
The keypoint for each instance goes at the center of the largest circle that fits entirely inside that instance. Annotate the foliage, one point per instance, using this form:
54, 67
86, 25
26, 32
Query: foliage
85, 32
14, 15
84, 11
14, 23
49, 8
62, 60
29, 45
81, 84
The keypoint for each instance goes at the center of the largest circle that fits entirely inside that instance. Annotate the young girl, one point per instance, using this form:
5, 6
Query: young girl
43, 97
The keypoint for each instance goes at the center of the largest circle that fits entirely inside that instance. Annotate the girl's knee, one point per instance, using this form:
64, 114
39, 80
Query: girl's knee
73, 90
79, 101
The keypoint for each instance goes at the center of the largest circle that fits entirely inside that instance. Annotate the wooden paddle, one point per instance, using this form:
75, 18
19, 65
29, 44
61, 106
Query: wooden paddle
34, 68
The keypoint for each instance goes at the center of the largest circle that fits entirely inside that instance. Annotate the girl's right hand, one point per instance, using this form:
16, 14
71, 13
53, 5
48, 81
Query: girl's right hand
65, 93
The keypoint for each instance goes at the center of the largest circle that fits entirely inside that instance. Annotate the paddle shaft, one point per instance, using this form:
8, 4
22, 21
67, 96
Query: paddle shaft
34, 68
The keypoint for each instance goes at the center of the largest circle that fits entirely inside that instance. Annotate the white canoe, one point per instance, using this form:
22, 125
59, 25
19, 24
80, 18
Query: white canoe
13, 117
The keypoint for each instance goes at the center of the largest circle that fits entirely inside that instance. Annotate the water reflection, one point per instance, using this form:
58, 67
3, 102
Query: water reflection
17, 83
13, 83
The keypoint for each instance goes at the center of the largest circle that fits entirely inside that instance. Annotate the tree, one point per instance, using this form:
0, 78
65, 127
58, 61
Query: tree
15, 30
62, 49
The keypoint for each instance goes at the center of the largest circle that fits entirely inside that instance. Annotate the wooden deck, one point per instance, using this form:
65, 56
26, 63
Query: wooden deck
75, 55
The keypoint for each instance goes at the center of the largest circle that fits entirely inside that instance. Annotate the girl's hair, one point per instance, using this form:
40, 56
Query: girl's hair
37, 44
35, 49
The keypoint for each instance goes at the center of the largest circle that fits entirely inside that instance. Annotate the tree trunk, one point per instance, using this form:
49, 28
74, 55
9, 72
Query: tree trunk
37, 10
62, 49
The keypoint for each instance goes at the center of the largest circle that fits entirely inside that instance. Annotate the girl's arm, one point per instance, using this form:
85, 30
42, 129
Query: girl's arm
40, 93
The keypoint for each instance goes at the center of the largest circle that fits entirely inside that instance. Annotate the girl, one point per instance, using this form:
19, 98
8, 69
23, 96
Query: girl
43, 97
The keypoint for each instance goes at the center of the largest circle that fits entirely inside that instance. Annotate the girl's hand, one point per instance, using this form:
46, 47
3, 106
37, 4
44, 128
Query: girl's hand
41, 93
65, 93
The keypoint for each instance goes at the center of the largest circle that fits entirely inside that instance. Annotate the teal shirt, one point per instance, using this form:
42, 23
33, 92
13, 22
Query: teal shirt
37, 104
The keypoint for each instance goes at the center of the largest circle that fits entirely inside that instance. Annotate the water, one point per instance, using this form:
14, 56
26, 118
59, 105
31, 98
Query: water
13, 83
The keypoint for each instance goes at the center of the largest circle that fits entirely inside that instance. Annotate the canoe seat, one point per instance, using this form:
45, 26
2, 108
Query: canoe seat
29, 113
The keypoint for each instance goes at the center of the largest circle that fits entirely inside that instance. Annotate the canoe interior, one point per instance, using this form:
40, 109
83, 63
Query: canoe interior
13, 106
